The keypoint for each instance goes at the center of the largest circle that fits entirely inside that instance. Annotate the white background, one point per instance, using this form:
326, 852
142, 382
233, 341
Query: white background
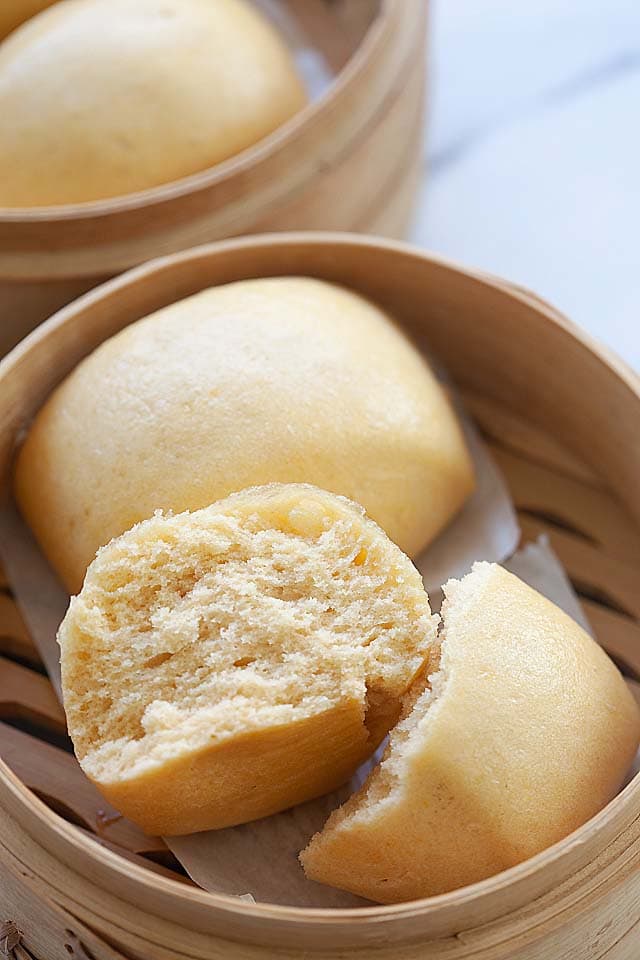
533, 155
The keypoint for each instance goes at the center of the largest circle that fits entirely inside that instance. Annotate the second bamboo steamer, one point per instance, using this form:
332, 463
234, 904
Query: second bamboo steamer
349, 160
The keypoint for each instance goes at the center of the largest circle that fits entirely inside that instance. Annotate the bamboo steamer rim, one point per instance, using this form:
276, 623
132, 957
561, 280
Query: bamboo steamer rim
235, 165
489, 898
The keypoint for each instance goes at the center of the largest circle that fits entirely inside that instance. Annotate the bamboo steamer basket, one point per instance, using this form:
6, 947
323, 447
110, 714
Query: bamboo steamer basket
562, 417
351, 160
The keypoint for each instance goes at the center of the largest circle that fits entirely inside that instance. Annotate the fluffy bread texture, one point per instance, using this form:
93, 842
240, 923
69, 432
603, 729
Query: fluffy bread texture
525, 730
222, 665
100, 98
273, 380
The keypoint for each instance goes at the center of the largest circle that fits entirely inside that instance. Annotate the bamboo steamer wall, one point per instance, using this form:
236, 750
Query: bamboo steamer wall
349, 161
563, 419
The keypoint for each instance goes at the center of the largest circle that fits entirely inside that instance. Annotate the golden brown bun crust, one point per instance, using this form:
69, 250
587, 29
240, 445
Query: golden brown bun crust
253, 776
15, 12
223, 665
100, 98
530, 732
275, 380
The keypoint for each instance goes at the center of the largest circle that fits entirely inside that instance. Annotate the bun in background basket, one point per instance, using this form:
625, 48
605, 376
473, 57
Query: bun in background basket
102, 98
351, 159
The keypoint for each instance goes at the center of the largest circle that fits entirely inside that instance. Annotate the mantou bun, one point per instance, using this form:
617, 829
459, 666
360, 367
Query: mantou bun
222, 665
524, 731
15, 12
100, 98
271, 380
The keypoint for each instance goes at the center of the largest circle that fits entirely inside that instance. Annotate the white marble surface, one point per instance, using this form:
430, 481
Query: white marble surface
533, 166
